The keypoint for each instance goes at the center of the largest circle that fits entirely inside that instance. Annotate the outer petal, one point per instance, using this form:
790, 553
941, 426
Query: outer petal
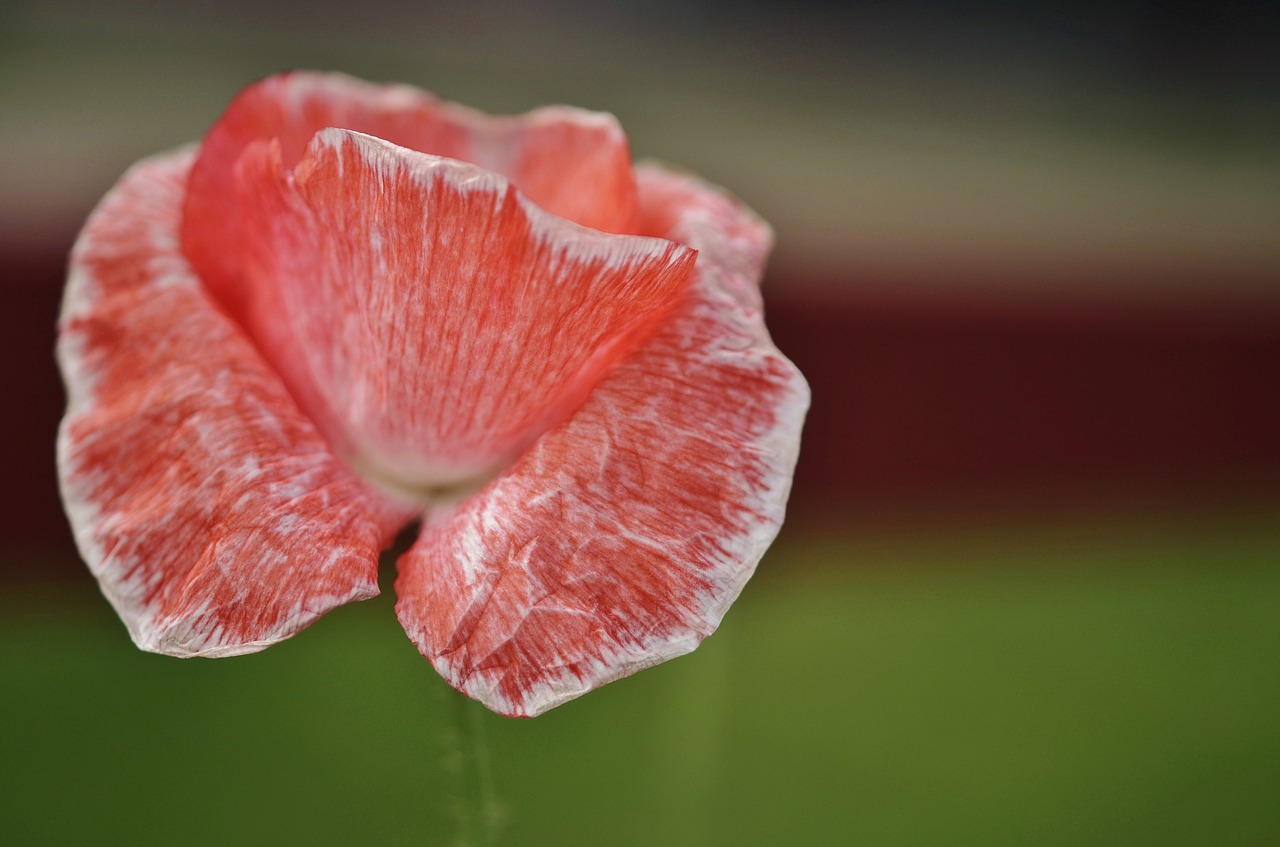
622, 536
573, 163
213, 514
427, 317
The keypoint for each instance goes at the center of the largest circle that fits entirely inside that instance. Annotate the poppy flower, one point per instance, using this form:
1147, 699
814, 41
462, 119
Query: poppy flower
352, 307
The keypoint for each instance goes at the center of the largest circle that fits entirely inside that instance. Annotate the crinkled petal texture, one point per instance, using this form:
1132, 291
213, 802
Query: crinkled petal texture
431, 320
620, 538
213, 513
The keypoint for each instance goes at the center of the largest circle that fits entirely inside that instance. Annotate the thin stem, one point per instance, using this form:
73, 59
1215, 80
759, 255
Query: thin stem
472, 801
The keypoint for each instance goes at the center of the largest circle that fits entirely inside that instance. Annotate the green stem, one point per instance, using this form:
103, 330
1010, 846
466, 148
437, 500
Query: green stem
473, 803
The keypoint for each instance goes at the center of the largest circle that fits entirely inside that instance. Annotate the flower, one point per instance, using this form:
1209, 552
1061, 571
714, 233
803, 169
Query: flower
355, 306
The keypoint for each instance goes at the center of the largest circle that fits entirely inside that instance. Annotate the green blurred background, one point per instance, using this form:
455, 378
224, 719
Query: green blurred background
1028, 591
1112, 686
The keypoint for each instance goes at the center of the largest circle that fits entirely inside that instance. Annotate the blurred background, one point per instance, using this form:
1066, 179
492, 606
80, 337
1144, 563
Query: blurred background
1028, 592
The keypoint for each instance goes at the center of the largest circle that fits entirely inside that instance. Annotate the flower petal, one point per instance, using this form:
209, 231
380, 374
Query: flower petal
213, 514
430, 320
573, 163
622, 536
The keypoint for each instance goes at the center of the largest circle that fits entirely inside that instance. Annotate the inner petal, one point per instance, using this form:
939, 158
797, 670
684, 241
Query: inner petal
431, 320
573, 163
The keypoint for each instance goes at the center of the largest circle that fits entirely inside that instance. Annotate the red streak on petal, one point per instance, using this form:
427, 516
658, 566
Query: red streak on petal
212, 512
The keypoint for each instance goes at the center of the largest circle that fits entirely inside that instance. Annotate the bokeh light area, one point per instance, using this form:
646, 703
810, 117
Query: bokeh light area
1029, 587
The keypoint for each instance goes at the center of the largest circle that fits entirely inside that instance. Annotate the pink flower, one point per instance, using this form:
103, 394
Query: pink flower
353, 306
